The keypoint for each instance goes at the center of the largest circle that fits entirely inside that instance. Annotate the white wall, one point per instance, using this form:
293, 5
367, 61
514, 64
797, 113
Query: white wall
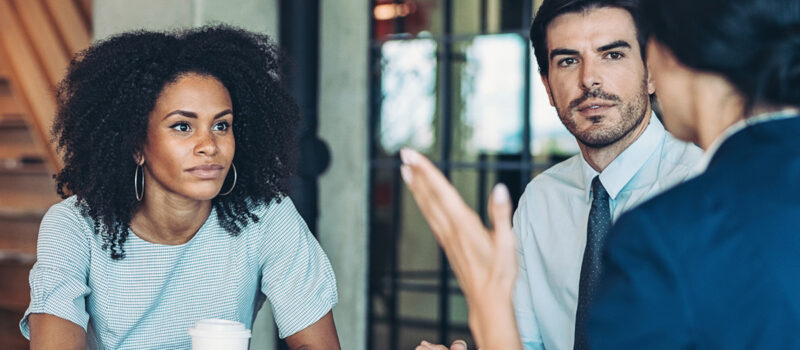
115, 16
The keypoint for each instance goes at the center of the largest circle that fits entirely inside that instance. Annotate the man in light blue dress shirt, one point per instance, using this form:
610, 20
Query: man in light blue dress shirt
591, 58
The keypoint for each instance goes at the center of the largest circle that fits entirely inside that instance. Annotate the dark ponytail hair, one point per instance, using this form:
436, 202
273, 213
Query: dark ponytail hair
755, 44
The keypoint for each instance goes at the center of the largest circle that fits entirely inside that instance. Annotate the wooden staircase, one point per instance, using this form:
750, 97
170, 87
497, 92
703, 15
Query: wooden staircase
37, 38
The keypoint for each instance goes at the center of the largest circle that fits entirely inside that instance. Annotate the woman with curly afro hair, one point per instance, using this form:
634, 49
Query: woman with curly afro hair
177, 150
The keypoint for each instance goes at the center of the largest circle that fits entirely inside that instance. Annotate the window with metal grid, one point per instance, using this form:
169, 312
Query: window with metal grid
456, 81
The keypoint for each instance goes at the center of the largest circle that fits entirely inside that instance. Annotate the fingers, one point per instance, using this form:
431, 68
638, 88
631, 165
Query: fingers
422, 164
424, 177
457, 228
418, 173
505, 266
438, 200
500, 208
423, 345
458, 345
433, 192
431, 210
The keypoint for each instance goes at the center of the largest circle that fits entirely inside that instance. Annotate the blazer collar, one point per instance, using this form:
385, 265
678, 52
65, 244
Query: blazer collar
712, 150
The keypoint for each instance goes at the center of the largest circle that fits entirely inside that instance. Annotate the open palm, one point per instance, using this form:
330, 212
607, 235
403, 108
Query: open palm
483, 259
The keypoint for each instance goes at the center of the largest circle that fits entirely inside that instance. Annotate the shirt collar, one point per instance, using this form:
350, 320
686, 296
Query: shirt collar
622, 169
739, 126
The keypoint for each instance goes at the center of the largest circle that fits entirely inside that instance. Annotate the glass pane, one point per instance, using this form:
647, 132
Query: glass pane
487, 16
475, 185
380, 309
408, 96
380, 336
382, 245
416, 246
398, 18
467, 17
406, 17
427, 18
462, 333
494, 16
418, 306
383, 211
550, 140
488, 96
411, 335
459, 320
458, 311
384, 27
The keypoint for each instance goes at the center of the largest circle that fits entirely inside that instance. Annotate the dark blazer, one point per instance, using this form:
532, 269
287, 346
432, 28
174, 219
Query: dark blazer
713, 263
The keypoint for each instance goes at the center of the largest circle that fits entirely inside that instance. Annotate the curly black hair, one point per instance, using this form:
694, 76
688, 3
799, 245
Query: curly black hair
110, 89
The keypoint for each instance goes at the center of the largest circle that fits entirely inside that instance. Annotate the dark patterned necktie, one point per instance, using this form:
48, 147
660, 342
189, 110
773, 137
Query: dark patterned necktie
596, 231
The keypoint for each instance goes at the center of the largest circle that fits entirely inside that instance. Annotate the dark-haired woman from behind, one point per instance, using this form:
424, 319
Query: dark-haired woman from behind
177, 150
713, 263
710, 264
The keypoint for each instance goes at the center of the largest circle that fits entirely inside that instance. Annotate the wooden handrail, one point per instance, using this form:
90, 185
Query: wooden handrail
44, 38
28, 79
37, 40
88, 10
70, 25
12, 120
3, 72
9, 107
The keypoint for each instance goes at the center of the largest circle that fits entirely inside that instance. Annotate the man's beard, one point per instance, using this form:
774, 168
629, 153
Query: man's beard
632, 113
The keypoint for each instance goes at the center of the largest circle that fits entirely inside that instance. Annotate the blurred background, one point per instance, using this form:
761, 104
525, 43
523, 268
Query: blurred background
454, 79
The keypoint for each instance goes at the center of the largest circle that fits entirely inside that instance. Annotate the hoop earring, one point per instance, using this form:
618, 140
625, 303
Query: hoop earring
136, 182
234, 181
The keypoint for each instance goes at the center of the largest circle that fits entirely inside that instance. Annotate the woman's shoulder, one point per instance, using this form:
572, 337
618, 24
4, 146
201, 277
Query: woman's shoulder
277, 219
65, 231
69, 209
67, 215
277, 208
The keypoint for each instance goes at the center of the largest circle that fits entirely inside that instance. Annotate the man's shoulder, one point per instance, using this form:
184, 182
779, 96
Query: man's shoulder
567, 171
557, 178
679, 153
677, 162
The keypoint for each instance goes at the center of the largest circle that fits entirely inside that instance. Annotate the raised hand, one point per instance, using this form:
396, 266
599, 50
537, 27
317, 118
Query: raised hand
483, 259
457, 345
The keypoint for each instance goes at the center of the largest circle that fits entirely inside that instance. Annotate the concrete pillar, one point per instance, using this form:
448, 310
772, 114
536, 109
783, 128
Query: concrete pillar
115, 16
343, 201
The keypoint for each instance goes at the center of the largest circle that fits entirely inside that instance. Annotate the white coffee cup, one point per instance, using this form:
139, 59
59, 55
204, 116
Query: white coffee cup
216, 334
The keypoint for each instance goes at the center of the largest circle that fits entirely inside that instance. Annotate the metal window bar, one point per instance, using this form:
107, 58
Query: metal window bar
446, 139
372, 122
527, 129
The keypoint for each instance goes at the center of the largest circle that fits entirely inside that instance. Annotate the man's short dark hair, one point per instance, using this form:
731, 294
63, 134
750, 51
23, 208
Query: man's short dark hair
551, 9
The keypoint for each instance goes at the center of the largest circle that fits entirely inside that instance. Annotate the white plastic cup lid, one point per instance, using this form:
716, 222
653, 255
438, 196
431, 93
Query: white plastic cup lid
216, 328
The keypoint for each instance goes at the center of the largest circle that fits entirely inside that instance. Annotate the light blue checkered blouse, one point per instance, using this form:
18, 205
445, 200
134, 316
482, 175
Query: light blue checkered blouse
149, 299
